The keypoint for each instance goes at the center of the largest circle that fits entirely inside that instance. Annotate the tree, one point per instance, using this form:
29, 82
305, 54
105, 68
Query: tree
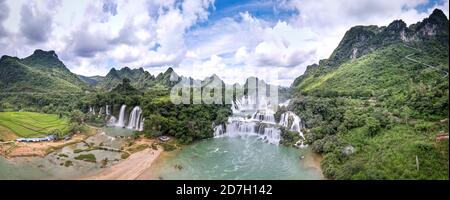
373, 126
76, 128
125, 88
77, 117
58, 134
406, 113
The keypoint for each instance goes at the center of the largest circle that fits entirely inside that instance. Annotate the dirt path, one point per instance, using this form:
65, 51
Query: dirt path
41, 149
416, 61
129, 169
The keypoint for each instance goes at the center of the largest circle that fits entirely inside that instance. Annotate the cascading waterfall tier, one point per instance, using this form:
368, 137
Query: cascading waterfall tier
266, 116
261, 123
292, 122
135, 119
121, 121
249, 103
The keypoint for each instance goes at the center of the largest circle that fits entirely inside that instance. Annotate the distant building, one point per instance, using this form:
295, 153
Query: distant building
44, 139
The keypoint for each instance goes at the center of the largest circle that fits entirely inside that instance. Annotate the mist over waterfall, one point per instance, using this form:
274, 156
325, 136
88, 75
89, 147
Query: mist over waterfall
253, 117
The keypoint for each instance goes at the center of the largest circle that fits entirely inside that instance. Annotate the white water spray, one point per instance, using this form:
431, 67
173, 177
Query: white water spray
292, 122
121, 121
261, 123
135, 118
108, 111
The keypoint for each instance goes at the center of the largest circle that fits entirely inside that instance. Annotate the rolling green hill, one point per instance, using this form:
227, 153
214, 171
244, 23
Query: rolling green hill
139, 78
42, 72
91, 80
376, 107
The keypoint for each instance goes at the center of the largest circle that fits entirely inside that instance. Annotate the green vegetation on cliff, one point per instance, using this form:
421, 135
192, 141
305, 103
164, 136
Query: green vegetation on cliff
376, 107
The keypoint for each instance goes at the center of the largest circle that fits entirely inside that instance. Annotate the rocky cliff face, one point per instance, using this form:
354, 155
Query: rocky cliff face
361, 40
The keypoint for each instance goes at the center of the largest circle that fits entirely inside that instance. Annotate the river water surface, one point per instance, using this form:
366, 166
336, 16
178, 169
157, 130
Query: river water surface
236, 158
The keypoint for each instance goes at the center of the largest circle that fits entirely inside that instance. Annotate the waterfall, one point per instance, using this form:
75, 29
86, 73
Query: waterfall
245, 104
121, 121
135, 118
261, 124
266, 116
100, 112
234, 108
285, 104
292, 122
141, 125
272, 135
218, 131
112, 121
108, 112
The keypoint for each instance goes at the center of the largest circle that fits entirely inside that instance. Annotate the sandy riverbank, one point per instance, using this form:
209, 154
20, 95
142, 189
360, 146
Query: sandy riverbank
130, 168
313, 160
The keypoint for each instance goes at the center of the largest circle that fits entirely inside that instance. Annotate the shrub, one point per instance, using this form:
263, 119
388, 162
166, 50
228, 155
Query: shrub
75, 128
168, 147
78, 150
125, 155
423, 127
87, 158
68, 163
373, 126
289, 138
63, 155
104, 162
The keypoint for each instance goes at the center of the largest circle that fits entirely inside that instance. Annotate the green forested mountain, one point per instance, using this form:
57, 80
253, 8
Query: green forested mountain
91, 80
42, 72
139, 78
375, 108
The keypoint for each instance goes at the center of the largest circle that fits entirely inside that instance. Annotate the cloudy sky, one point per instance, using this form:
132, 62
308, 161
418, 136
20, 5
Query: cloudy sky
234, 39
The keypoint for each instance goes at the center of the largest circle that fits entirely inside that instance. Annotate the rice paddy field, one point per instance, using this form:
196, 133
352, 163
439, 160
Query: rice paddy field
29, 124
